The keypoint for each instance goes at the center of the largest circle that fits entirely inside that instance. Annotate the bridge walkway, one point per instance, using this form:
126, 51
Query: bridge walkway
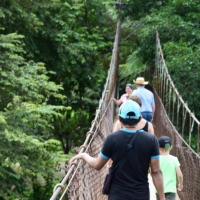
172, 118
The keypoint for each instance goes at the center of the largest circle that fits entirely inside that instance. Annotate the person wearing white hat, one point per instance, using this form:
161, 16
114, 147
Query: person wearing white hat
147, 98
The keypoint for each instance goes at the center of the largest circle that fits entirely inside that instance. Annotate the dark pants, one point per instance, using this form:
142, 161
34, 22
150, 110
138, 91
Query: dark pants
117, 197
168, 196
147, 116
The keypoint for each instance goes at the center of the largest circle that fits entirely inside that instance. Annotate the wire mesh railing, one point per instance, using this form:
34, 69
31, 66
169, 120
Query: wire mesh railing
175, 119
81, 181
181, 116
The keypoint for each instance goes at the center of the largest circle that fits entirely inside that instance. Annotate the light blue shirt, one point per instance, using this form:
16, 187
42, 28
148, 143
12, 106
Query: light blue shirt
147, 98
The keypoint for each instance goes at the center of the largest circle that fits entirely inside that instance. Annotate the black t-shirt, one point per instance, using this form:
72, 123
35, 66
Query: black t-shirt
131, 176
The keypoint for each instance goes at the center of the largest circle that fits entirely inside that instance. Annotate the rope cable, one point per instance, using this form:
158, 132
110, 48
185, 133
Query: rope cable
80, 162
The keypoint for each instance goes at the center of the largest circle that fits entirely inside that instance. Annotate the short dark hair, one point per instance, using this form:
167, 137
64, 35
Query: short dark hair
129, 85
128, 121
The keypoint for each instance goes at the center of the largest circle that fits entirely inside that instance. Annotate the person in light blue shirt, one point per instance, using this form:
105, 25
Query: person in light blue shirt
147, 98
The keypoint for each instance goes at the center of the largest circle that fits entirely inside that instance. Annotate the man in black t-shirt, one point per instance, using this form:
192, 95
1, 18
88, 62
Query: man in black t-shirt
130, 180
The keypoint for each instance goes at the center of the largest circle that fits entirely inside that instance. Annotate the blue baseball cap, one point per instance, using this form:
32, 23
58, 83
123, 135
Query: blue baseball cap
130, 110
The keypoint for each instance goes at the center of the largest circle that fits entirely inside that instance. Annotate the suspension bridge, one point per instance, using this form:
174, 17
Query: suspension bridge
84, 183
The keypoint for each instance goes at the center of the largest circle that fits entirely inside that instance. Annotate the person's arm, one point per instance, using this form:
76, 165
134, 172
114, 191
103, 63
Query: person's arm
117, 102
96, 163
150, 128
180, 178
153, 110
157, 177
109, 164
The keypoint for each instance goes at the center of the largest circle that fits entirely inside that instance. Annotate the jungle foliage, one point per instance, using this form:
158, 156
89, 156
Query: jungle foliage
177, 22
54, 57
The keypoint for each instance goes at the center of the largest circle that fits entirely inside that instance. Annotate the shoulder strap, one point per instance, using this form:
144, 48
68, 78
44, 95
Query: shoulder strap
146, 126
129, 146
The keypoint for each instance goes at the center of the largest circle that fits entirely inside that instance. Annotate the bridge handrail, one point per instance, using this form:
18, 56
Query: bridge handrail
107, 93
162, 75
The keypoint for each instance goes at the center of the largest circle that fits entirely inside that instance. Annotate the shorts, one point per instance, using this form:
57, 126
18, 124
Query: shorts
147, 115
168, 196
118, 197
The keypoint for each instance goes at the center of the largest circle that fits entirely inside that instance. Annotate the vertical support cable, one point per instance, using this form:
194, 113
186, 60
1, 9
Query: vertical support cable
198, 138
177, 113
171, 98
164, 87
174, 101
191, 125
183, 121
167, 92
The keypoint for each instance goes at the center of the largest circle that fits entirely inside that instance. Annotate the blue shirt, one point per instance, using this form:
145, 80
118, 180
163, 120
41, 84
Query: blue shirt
147, 98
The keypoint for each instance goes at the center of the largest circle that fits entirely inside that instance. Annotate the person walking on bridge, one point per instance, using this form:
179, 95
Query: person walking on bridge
147, 98
170, 167
143, 123
130, 181
124, 97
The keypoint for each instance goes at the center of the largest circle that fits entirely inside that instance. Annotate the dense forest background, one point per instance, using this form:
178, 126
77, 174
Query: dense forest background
54, 57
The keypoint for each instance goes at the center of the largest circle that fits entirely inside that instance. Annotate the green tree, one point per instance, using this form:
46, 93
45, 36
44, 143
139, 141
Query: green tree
74, 39
177, 24
27, 152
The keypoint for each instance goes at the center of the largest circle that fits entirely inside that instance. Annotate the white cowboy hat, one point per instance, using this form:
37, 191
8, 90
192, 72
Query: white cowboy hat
140, 81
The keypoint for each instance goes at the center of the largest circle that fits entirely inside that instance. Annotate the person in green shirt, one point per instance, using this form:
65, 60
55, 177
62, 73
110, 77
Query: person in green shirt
170, 167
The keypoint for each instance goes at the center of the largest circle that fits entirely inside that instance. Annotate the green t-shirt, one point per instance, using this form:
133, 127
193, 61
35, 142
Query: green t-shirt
168, 165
